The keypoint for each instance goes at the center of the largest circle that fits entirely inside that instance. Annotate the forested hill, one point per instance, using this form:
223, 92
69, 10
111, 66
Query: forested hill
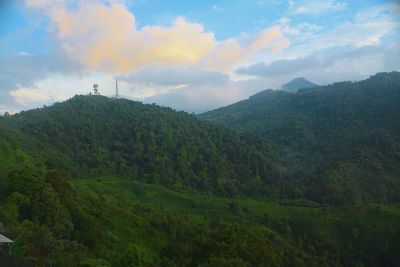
80, 184
95, 135
342, 139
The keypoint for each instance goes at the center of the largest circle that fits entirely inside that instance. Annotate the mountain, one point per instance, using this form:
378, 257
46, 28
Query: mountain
95, 135
297, 84
95, 181
46, 152
337, 142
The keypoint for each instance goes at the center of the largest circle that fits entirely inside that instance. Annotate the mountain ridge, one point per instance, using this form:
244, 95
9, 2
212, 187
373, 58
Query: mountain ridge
325, 131
100, 135
95, 181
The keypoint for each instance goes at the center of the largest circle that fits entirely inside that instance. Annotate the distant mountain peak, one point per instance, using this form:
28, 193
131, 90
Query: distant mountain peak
297, 84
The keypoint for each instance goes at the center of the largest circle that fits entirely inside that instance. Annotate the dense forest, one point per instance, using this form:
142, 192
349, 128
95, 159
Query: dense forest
96, 135
301, 179
337, 143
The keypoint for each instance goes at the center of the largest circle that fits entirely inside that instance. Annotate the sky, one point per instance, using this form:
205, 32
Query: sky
189, 55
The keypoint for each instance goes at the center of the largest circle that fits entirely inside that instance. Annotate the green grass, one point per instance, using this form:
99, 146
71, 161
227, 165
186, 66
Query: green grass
330, 224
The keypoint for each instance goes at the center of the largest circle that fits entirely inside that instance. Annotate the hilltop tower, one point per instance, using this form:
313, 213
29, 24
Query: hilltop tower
116, 89
96, 89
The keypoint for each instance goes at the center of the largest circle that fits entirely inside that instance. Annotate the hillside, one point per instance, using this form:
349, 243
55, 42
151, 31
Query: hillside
53, 222
337, 142
115, 222
95, 135
95, 181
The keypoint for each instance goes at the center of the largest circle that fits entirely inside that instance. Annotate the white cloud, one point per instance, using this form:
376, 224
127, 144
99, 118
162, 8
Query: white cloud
317, 7
301, 31
324, 67
291, 4
160, 79
60, 87
22, 53
159, 76
22, 71
361, 61
106, 38
9, 109
25, 96
100, 39
328, 57
389, 11
184, 66
358, 34
216, 8
369, 26
200, 98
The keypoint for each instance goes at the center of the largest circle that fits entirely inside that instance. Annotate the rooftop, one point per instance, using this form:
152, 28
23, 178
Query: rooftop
4, 240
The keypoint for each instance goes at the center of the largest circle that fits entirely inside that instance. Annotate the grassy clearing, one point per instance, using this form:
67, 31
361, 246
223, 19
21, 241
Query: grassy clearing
120, 201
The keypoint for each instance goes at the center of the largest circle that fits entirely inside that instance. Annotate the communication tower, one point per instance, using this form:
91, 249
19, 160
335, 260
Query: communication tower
116, 89
96, 89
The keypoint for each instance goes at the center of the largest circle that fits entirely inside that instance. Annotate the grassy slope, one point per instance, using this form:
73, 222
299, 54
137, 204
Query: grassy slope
370, 226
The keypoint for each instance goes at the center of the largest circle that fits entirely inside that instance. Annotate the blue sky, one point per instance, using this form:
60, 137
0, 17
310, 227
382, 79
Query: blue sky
190, 55
231, 18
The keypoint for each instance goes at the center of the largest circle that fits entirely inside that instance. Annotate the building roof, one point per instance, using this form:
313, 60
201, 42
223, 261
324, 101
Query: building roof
4, 240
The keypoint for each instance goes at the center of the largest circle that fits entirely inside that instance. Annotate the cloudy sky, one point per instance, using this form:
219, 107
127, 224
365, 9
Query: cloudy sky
190, 55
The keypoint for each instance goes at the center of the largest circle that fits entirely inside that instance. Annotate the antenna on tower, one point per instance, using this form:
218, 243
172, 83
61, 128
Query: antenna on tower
96, 89
116, 89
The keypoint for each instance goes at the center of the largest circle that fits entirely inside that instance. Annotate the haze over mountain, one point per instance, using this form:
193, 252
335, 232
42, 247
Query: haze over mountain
297, 84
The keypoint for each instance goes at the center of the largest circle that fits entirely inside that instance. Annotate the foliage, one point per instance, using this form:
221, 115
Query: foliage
337, 143
95, 135
110, 182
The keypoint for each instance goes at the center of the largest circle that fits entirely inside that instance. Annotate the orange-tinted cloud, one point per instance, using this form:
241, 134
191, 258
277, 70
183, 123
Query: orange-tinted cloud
227, 54
105, 37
